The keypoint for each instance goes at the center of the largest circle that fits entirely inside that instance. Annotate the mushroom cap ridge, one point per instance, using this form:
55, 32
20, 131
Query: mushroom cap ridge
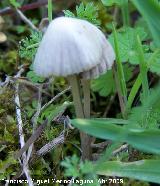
71, 46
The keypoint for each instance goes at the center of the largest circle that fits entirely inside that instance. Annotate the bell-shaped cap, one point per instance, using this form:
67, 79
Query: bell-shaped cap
73, 46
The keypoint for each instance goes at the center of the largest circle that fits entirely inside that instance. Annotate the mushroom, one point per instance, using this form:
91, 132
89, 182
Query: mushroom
79, 51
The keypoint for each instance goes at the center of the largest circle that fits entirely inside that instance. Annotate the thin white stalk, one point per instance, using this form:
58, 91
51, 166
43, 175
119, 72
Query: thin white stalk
35, 119
20, 129
54, 98
120, 149
26, 20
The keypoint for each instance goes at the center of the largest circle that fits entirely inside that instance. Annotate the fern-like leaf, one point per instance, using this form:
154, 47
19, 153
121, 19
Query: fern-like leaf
87, 12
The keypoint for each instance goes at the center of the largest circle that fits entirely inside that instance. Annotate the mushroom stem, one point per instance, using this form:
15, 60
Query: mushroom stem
85, 138
75, 87
87, 112
86, 94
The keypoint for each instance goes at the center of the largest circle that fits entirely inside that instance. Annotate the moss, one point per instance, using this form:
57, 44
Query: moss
8, 62
6, 101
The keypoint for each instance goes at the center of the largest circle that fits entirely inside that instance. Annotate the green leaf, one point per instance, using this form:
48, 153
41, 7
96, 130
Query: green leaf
150, 10
142, 23
31, 75
9, 160
87, 12
127, 43
148, 114
146, 170
71, 166
112, 2
15, 3
86, 167
75, 167
104, 85
54, 110
143, 68
113, 121
154, 62
20, 29
143, 139
29, 45
68, 13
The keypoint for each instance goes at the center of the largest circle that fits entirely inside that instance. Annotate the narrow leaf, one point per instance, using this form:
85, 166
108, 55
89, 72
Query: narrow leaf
146, 170
143, 139
150, 10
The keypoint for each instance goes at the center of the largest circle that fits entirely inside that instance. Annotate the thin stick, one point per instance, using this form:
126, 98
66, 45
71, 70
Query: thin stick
26, 20
51, 145
31, 6
20, 128
120, 149
54, 98
35, 120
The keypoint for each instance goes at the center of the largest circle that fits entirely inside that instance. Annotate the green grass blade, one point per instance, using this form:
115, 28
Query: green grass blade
50, 8
125, 12
133, 92
119, 76
143, 69
146, 170
119, 66
150, 10
143, 139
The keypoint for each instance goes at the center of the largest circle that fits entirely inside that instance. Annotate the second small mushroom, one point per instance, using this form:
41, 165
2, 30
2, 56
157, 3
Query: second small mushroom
79, 51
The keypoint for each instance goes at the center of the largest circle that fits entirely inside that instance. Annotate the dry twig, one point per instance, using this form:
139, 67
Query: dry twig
26, 20
54, 98
35, 119
49, 146
24, 162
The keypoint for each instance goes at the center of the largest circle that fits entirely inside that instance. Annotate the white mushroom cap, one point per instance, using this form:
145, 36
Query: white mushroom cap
72, 46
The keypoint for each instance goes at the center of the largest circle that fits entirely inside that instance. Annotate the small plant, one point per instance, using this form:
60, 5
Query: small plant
29, 45
88, 12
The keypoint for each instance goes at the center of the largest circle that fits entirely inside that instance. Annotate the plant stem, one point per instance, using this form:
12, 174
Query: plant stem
133, 92
85, 138
125, 13
120, 97
120, 74
87, 112
143, 69
50, 10
138, 83
86, 94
